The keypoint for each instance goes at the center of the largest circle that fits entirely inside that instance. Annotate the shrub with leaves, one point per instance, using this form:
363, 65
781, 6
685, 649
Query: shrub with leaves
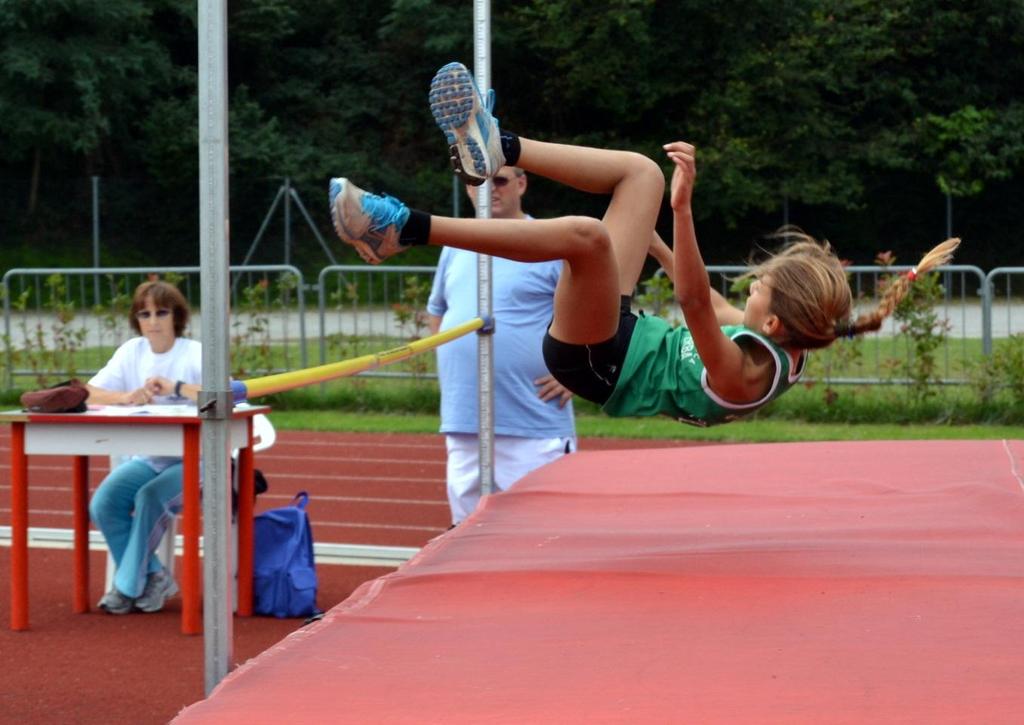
657, 294
51, 351
250, 325
410, 312
1003, 371
113, 314
926, 332
339, 345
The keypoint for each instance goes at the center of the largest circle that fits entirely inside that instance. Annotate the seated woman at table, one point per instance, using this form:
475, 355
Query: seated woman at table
135, 503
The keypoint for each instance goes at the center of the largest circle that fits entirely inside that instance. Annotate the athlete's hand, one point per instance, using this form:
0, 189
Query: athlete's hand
683, 155
548, 389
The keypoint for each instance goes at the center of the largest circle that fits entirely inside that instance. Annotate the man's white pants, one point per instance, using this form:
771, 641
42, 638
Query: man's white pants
514, 457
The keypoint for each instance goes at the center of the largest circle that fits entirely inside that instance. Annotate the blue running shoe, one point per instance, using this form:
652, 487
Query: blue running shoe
370, 223
472, 132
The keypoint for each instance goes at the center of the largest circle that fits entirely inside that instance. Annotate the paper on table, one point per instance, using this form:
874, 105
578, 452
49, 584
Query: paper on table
143, 409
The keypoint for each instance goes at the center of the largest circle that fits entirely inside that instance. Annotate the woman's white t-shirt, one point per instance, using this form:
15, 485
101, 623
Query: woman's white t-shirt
135, 362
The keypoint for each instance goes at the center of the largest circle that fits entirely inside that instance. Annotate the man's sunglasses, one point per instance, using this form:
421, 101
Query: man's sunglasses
501, 181
146, 314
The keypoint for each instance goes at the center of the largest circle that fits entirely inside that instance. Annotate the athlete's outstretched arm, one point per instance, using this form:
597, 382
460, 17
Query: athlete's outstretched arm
723, 359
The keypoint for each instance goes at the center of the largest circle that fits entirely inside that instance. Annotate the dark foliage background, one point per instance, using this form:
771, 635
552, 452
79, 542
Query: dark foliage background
852, 118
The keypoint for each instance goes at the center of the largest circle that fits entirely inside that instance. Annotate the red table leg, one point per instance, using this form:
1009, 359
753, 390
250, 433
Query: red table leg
19, 528
246, 495
80, 517
191, 620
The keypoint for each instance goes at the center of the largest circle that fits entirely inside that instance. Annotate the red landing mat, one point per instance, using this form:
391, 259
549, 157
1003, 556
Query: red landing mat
810, 582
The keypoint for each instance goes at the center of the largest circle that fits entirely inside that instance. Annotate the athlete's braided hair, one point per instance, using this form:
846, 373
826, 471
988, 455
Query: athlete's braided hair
811, 294
896, 290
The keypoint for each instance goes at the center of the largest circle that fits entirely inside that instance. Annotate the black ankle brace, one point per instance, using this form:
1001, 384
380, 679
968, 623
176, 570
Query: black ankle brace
416, 231
510, 147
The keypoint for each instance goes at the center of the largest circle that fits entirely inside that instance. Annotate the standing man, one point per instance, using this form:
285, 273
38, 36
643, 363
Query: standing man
533, 416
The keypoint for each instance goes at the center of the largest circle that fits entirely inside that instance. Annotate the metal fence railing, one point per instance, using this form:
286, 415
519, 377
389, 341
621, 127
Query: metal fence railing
50, 313
877, 358
1004, 315
363, 309
70, 319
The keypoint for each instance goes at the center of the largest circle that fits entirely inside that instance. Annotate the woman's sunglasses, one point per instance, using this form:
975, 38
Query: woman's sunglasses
146, 314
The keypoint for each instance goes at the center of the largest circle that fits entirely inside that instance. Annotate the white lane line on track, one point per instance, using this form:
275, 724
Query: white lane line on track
263, 457
357, 499
388, 526
49, 512
317, 523
276, 477
63, 469
348, 442
333, 499
343, 477
309, 438
396, 527
1013, 464
350, 459
278, 497
45, 489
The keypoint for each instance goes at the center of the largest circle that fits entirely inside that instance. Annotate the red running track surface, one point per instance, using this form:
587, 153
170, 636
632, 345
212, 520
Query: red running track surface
95, 668
379, 489
806, 582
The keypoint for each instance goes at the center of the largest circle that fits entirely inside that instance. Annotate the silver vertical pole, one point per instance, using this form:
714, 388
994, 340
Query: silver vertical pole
485, 342
96, 237
287, 220
215, 397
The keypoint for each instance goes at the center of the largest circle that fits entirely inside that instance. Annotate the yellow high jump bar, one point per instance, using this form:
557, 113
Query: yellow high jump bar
281, 382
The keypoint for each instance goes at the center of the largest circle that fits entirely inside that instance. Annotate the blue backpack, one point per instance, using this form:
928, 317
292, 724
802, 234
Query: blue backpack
284, 573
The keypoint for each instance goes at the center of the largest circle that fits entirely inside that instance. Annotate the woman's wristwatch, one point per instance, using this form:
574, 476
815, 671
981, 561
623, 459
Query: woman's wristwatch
177, 388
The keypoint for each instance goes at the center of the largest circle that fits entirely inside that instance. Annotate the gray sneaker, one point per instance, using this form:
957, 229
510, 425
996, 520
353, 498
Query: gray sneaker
371, 223
159, 587
114, 602
464, 115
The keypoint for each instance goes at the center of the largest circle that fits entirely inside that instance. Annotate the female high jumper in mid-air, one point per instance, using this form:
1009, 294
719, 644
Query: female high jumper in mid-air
724, 363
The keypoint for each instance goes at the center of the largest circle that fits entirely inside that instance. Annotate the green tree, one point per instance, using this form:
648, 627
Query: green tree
855, 113
71, 73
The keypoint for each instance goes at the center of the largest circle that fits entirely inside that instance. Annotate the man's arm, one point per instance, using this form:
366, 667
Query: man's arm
433, 323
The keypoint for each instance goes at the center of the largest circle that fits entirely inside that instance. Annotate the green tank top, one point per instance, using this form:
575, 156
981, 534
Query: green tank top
662, 374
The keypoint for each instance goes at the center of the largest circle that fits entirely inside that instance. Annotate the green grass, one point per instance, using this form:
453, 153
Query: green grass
412, 405
873, 356
399, 406
601, 426
855, 413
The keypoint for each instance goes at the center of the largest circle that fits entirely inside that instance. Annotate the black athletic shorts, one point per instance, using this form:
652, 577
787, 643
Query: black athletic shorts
591, 371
